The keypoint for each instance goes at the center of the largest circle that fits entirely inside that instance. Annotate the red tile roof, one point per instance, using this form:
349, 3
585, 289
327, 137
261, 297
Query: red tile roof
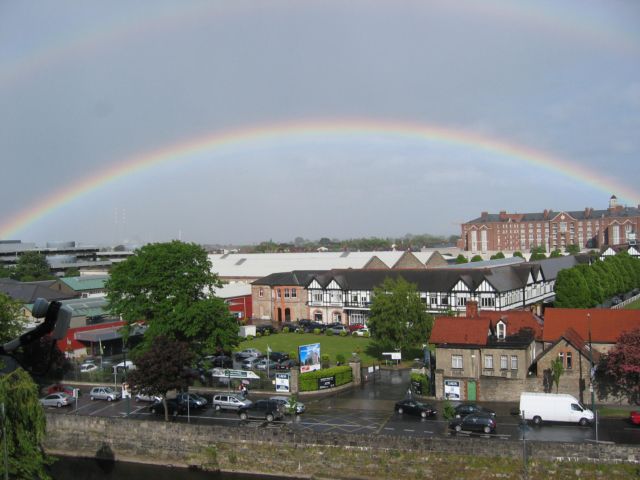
579, 343
460, 331
605, 325
516, 320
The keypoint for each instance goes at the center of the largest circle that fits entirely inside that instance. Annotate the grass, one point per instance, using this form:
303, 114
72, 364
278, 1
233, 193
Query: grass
633, 305
329, 345
616, 412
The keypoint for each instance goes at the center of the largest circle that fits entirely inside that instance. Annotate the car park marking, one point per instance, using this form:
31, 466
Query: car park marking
109, 405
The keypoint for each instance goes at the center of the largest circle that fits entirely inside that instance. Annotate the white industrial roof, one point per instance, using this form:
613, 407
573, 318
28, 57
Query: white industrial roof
258, 265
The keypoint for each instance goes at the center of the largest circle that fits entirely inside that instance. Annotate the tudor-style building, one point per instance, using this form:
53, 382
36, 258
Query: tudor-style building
587, 228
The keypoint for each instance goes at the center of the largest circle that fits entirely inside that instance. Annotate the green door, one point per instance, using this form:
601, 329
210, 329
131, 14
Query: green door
471, 390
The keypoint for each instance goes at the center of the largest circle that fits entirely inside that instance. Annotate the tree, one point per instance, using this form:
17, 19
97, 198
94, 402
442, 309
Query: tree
537, 253
460, 259
476, 258
497, 256
12, 323
168, 286
571, 290
32, 266
72, 272
5, 272
572, 249
557, 369
618, 372
25, 427
398, 317
164, 366
555, 254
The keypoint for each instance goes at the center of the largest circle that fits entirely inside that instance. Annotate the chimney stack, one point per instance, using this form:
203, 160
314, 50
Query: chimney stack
472, 309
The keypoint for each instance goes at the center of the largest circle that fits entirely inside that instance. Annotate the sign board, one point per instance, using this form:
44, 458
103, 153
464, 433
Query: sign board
394, 355
309, 356
219, 372
416, 386
326, 382
282, 382
452, 389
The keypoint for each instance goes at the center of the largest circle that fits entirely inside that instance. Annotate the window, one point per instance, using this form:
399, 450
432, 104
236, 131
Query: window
514, 362
317, 297
569, 361
286, 293
501, 330
488, 362
504, 362
294, 293
456, 361
444, 300
261, 292
488, 302
337, 317
434, 301
318, 316
462, 301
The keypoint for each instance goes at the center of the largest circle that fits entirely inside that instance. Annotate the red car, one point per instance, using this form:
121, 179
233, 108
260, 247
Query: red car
356, 326
60, 388
635, 418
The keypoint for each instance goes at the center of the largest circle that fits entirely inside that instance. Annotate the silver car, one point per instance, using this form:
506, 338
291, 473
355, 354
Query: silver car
227, 401
287, 404
104, 393
59, 399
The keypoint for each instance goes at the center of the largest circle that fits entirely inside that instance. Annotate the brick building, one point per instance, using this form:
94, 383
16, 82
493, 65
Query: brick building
552, 230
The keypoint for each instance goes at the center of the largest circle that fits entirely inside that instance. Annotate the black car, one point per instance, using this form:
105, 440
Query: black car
173, 407
278, 356
291, 326
413, 407
475, 422
222, 361
262, 329
191, 401
286, 364
268, 410
469, 408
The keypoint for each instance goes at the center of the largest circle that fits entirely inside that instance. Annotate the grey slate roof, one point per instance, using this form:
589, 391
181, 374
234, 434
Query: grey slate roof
578, 215
28, 292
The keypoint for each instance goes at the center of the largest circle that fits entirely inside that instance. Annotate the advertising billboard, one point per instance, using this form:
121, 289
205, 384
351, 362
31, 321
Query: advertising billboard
309, 356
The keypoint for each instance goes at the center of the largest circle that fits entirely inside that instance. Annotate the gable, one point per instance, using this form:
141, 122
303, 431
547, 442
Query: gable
408, 260
461, 287
333, 286
375, 263
485, 286
314, 285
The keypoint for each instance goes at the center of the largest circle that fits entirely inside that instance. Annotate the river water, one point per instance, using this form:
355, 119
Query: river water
68, 468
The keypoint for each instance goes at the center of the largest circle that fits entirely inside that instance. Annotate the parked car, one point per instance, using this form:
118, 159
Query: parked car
288, 406
413, 407
355, 326
58, 400
192, 401
634, 417
469, 408
310, 327
220, 361
262, 329
59, 387
263, 363
278, 356
250, 363
338, 329
291, 326
225, 401
173, 407
127, 365
88, 367
142, 397
262, 409
361, 332
554, 407
475, 422
287, 364
248, 353
104, 393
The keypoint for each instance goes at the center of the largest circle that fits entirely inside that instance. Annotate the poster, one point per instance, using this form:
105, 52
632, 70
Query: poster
452, 389
282, 382
309, 357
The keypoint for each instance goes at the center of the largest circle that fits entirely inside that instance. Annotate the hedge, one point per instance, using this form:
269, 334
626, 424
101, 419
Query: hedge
309, 380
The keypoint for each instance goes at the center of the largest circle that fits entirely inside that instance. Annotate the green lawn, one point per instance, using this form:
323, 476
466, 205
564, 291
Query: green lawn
330, 345
633, 305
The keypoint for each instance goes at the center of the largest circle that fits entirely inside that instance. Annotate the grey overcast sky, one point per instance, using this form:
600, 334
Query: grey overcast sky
276, 119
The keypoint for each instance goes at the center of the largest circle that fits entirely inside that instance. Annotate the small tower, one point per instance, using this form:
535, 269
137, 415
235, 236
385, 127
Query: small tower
613, 202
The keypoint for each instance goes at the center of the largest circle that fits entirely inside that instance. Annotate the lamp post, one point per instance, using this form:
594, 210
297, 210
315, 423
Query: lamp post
126, 390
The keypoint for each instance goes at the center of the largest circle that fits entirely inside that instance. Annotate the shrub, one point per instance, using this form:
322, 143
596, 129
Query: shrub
300, 330
285, 330
366, 334
448, 412
293, 355
325, 360
329, 333
309, 380
423, 380
316, 331
340, 360
258, 334
249, 337
266, 333
343, 333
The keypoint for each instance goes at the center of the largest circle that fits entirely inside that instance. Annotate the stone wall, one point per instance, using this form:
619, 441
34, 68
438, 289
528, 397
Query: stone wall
251, 447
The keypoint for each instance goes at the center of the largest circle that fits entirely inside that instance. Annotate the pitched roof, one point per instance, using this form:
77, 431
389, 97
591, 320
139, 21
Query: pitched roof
516, 320
605, 325
28, 292
574, 338
586, 214
460, 331
87, 282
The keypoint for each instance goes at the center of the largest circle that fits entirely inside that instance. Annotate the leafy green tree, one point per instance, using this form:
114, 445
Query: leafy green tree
555, 254
5, 272
571, 290
25, 427
168, 285
572, 249
537, 253
476, 258
460, 259
497, 256
596, 292
72, 272
12, 323
398, 318
32, 266
557, 370
518, 253
164, 366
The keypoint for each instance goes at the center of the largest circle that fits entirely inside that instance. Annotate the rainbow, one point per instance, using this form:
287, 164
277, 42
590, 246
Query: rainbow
308, 131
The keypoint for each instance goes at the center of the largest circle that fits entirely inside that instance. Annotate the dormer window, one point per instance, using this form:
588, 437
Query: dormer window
501, 330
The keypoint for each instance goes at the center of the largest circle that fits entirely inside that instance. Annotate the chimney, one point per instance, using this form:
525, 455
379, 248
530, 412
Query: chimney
587, 212
472, 309
545, 214
484, 215
503, 215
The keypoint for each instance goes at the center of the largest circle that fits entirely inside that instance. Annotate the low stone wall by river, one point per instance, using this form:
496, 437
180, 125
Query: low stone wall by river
277, 449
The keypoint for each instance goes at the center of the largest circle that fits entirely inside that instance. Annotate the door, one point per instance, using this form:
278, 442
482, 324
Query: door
471, 390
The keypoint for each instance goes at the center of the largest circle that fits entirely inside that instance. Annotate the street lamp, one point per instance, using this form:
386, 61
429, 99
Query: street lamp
126, 390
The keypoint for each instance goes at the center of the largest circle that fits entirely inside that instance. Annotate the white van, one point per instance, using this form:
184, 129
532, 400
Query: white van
553, 407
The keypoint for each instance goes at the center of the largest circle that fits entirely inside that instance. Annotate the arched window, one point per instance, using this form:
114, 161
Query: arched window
279, 314
501, 330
